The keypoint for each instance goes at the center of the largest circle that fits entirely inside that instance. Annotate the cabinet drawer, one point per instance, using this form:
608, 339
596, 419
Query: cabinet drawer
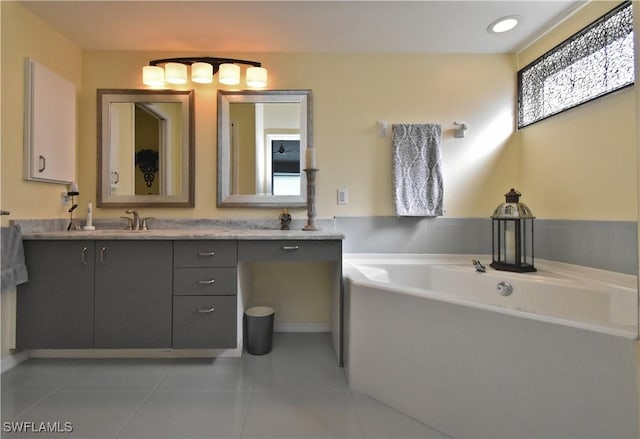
205, 253
204, 322
289, 250
222, 281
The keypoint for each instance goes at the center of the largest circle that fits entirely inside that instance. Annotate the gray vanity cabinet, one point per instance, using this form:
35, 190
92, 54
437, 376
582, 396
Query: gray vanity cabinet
205, 294
133, 294
55, 307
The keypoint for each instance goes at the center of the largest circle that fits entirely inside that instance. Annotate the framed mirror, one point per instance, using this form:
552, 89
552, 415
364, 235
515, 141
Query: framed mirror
262, 137
145, 148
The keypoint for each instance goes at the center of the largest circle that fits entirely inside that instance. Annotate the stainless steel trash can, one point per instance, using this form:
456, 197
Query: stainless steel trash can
258, 329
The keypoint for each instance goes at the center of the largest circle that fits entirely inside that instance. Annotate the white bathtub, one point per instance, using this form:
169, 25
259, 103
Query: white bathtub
431, 337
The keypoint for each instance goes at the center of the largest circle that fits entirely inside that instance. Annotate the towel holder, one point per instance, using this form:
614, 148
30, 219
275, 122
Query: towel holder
459, 132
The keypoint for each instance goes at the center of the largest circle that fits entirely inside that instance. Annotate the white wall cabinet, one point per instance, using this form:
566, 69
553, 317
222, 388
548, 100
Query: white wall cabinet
50, 125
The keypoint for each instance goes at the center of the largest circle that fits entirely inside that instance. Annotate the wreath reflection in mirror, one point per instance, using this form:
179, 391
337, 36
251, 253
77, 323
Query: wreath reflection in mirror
147, 161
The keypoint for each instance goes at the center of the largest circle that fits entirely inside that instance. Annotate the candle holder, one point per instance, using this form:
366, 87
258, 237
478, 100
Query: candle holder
512, 235
311, 200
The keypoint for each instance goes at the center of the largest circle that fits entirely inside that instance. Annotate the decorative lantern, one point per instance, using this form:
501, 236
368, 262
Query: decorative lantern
512, 235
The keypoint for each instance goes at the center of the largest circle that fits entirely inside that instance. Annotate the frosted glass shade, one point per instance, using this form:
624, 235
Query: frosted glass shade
153, 76
175, 73
202, 73
229, 74
256, 77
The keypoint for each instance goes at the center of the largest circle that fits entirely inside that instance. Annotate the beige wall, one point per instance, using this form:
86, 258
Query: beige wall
581, 164
567, 166
351, 92
24, 35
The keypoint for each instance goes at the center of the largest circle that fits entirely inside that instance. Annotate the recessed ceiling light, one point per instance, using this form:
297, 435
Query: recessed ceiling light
503, 24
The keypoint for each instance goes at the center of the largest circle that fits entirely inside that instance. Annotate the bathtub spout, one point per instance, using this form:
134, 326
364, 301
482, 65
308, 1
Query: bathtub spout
479, 267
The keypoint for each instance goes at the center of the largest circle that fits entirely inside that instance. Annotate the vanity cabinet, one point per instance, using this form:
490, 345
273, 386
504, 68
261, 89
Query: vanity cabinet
103, 294
133, 294
205, 294
55, 307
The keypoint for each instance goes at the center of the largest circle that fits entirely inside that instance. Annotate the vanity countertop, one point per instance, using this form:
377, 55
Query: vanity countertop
179, 234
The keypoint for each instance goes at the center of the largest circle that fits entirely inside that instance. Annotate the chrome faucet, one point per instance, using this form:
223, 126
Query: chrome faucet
479, 267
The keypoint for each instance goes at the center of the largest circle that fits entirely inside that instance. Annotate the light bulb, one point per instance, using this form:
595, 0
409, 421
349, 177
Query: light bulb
256, 77
175, 73
202, 73
229, 74
153, 76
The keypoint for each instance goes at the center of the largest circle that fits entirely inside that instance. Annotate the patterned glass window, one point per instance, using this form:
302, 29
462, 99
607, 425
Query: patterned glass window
596, 61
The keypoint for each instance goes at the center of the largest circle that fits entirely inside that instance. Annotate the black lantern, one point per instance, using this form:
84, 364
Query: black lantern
512, 235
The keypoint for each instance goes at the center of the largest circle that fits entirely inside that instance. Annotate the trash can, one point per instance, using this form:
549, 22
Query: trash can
258, 329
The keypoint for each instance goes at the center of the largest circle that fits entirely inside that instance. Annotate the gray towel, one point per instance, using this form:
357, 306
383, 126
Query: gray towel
417, 170
14, 271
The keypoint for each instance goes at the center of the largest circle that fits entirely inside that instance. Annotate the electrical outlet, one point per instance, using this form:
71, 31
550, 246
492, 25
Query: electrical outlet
343, 195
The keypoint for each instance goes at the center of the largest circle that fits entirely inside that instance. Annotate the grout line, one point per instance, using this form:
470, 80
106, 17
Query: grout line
46, 394
246, 415
356, 412
137, 410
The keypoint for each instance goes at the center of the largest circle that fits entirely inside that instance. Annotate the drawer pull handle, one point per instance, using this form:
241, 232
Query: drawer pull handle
84, 255
206, 253
206, 282
290, 247
206, 310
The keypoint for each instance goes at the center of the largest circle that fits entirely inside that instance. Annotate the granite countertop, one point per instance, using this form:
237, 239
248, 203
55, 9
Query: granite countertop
181, 229
177, 234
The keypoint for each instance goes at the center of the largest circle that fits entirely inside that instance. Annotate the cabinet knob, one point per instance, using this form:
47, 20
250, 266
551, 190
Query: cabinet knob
206, 282
206, 310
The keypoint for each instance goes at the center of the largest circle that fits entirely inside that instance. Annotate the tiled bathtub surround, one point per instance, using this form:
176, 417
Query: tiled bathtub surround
608, 245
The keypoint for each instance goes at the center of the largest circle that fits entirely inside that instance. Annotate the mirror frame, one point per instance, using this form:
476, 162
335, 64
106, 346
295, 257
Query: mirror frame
225, 98
187, 196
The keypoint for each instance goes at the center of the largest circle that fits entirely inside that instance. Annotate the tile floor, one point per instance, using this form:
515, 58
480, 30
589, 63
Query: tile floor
296, 391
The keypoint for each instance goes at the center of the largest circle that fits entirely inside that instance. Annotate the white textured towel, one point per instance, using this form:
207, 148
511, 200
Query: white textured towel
417, 170
14, 271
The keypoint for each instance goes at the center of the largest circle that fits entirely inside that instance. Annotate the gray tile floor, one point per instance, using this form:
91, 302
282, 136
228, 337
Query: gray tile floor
296, 391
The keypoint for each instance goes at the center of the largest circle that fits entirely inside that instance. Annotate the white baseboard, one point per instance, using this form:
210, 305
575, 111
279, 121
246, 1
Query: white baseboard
301, 327
135, 353
12, 360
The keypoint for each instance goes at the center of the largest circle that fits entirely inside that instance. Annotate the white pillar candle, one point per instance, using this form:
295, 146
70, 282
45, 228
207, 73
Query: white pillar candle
310, 158
89, 224
510, 246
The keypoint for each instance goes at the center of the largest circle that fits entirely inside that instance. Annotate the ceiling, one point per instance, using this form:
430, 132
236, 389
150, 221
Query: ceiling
212, 27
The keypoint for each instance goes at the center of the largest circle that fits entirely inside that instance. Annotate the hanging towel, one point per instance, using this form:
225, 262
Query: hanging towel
14, 270
417, 170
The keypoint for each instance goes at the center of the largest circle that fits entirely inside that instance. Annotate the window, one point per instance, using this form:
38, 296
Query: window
594, 62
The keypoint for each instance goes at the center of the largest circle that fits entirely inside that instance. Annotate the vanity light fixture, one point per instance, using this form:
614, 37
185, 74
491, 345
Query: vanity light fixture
202, 71
503, 24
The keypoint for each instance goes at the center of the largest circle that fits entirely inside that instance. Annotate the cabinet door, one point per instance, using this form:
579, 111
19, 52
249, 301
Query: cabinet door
204, 322
50, 125
55, 307
133, 294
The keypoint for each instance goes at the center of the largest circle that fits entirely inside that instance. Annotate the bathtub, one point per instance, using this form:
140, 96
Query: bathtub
555, 358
